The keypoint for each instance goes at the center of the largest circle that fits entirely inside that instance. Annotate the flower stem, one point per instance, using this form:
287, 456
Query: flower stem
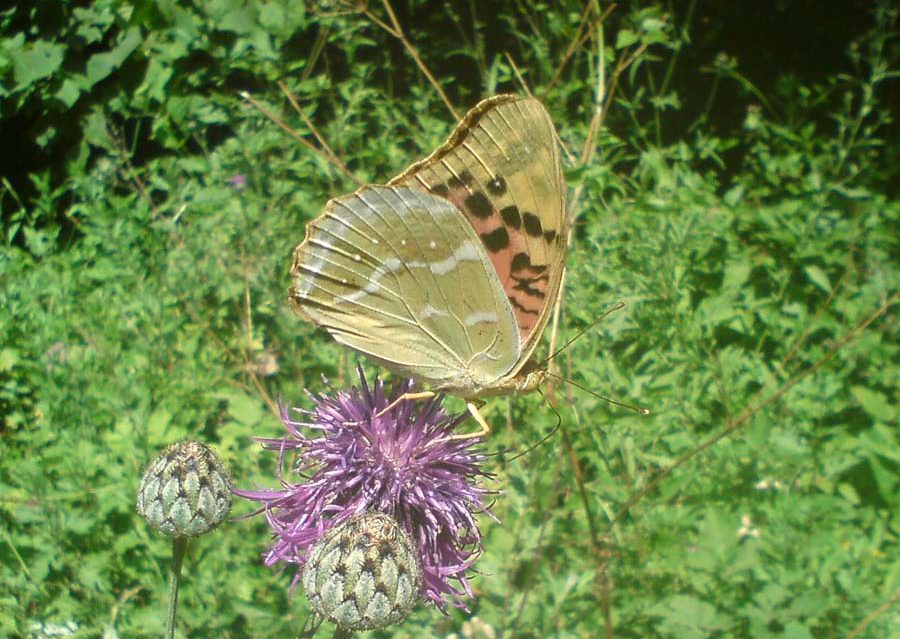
179, 544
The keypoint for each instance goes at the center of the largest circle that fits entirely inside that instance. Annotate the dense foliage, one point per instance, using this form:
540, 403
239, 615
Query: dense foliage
745, 210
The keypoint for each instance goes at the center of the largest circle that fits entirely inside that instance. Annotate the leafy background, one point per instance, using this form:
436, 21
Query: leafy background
734, 177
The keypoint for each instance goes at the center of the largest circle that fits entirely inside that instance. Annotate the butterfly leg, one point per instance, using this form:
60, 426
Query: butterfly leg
483, 428
405, 397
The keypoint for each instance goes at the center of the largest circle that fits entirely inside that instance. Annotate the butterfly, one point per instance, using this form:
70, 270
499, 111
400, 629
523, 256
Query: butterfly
448, 273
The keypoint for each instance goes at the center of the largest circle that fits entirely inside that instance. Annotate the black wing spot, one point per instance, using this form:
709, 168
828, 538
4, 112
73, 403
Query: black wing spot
523, 286
440, 189
496, 240
532, 224
521, 308
497, 185
521, 261
462, 180
511, 217
479, 205
550, 236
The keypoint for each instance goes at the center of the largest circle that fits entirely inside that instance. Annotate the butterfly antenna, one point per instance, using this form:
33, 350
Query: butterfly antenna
543, 439
617, 307
640, 410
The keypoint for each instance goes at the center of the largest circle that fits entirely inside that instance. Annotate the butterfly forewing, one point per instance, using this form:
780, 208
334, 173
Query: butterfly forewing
398, 274
501, 167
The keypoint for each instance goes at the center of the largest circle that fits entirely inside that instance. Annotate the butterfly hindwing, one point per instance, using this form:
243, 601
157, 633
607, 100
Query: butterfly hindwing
501, 167
398, 274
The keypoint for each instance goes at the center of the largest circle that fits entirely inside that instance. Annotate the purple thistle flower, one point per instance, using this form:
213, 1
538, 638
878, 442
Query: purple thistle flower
399, 464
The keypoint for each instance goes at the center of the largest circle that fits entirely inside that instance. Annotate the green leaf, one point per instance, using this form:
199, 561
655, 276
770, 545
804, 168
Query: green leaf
690, 617
68, 93
818, 277
96, 131
273, 17
36, 61
9, 357
736, 273
796, 630
156, 78
874, 403
93, 22
102, 65
243, 408
734, 195
158, 424
238, 18
625, 38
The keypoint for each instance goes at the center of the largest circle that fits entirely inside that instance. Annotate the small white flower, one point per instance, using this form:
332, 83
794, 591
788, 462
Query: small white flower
768, 484
747, 529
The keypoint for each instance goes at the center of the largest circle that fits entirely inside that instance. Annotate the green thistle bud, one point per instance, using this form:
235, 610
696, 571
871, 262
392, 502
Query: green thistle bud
185, 492
363, 574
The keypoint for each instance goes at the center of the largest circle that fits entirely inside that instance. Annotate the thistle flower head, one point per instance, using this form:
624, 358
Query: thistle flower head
363, 573
400, 464
185, 491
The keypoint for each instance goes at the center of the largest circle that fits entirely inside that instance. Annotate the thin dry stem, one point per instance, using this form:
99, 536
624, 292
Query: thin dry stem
554, 327
397, 31
518, 74
872, 616
340, 166
315, 131
580, 38
600, 115
598, 102
131, 172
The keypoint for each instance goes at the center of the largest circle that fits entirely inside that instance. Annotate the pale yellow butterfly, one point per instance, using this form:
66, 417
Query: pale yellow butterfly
449, 272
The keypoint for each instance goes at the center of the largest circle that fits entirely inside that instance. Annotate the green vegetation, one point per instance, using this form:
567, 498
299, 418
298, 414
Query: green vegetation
744, 208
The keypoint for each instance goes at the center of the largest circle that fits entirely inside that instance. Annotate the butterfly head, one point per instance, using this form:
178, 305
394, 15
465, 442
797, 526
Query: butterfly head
529, 379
